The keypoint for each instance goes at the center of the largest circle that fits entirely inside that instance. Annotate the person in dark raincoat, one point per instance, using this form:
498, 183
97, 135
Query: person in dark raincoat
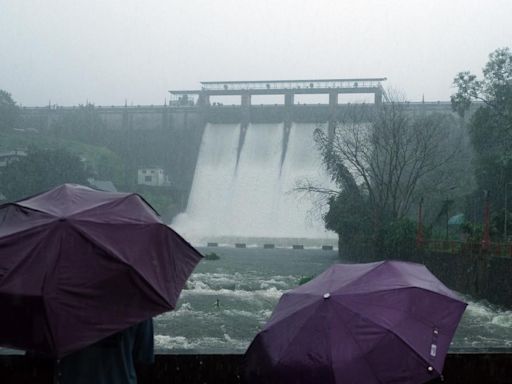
112, 360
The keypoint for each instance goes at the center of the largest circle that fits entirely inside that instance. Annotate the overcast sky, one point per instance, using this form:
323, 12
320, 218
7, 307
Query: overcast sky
108, 51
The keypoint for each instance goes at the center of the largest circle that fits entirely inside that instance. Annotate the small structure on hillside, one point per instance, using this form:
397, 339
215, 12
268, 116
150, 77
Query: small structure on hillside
7, 157
153, 176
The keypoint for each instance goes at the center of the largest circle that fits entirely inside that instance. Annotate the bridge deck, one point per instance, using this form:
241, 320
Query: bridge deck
274, 87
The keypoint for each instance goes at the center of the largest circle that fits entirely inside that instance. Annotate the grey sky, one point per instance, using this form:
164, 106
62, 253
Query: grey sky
106, 51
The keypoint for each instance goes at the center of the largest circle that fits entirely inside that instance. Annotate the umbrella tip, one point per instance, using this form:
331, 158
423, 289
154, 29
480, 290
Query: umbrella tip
327, 295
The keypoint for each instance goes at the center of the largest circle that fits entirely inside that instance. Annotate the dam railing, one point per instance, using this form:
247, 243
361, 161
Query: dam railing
503, 249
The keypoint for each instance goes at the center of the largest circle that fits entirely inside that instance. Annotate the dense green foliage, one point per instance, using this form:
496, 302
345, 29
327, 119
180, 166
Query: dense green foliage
107, 154
102, 163
84, 125
135, 144
40, 170
384, 167
490, 128
9, 112
397, 238
349, 214
211, 256
161, 199
305, 279
383, 160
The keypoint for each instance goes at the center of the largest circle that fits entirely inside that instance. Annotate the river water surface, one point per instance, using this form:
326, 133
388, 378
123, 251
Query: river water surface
227, 301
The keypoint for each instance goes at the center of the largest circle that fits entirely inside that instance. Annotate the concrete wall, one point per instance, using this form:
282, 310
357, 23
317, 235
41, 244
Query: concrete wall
153, 117
185, 125
460, 368
116, 117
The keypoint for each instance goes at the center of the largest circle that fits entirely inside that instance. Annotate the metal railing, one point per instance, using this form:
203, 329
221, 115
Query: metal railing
291, 84
469, 248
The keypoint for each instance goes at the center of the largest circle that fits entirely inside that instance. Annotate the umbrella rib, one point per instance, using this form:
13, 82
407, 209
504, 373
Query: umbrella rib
364, 274
103, 203
363, 354
20, 262
295, 309
330, 349
51, 218
26, 230
124, 195
17, 204
386, 328
43, 298
296, 333
330, 340
390, 289
117, 201
120, 259
347, 283
401, 309
354, 339
54, 267
412, 316
47, 316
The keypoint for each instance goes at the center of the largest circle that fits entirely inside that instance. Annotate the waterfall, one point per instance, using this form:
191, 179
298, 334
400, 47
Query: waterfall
256, 198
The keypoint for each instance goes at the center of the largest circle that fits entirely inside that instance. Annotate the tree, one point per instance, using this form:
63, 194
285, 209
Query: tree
494, 90
381, 159
349, 216
9, 112
490, 126
40, 170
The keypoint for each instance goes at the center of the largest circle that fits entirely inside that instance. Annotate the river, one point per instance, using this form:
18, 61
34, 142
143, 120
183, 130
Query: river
227, 301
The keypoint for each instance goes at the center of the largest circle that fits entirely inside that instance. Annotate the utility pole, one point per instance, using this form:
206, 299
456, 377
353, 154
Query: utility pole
486, 238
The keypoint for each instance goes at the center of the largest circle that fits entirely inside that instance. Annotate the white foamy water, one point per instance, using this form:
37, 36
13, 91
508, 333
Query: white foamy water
227, 301
296, 213
213, 182
256, 198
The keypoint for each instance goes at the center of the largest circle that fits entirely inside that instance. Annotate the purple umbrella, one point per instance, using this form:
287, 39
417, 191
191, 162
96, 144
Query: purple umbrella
77, 265
369, 323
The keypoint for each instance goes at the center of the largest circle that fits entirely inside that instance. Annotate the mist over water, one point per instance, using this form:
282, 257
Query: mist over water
254, 198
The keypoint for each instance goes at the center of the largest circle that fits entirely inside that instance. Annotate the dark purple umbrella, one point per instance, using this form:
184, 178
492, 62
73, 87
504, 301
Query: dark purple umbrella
77, 265
384, 322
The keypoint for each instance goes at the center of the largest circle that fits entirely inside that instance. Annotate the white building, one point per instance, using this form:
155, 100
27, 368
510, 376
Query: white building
152, 176
8, 157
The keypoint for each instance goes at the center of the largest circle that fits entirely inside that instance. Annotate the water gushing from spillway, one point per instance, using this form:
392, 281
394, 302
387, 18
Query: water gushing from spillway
254, 197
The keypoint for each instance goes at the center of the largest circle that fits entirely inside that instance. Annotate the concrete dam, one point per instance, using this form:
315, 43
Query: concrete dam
241, 164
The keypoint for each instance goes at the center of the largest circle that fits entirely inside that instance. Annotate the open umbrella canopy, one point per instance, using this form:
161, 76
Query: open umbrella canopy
369, 323
77, 265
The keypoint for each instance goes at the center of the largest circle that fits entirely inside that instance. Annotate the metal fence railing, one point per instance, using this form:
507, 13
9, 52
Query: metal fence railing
469, 248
